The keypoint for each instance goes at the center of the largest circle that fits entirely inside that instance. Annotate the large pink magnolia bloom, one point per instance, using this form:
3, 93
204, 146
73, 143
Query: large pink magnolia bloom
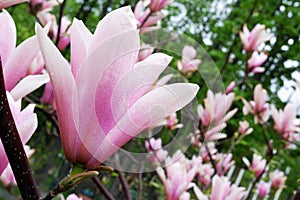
104, 98
222, 189
188, 63
17, 60
257, 165
285, 121
26, 122
7, 3
259, 106
251, 40
7, 177
256, 60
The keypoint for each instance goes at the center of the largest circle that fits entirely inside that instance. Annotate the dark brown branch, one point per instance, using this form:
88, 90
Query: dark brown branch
14, 148
61, 13
102, 189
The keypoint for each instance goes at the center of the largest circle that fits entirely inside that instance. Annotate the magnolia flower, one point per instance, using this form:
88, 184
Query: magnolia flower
16, 61
205, 173
7, 177
251, 40
40, 5
263, 188
216, 106
203, 151
214, 116
103, 99
256, 60
157, 5
284, 121
188, 63
7, 3
258, 107
179, 173
224, 162
172, 122
222, 189
159, 154
244, 128
26, 122
277, 179
146, 19
258, 164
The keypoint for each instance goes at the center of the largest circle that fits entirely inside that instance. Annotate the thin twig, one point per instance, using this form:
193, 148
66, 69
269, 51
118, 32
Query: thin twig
61, 13
124, 185
14, 148
103, 189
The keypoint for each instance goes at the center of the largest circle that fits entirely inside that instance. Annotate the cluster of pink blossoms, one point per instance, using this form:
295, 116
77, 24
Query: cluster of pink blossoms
149, 14
251, 42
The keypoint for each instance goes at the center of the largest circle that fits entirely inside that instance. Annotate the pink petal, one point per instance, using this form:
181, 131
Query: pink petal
119, 64
188, 53
120, 58
148, 110
117, 22
7, 36
80, 41
19, 62
28, 84
65, 92
137, 82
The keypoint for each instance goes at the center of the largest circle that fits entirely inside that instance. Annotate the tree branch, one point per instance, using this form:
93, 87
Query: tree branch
102, 188
14, 148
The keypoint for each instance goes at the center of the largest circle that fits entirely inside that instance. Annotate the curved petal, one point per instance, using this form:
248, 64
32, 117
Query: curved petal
97, 78
28, 84
117, 22
188, 53
64, 87
19, 61
80, 41
120, 58
148, 110
7, 35
136, 83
